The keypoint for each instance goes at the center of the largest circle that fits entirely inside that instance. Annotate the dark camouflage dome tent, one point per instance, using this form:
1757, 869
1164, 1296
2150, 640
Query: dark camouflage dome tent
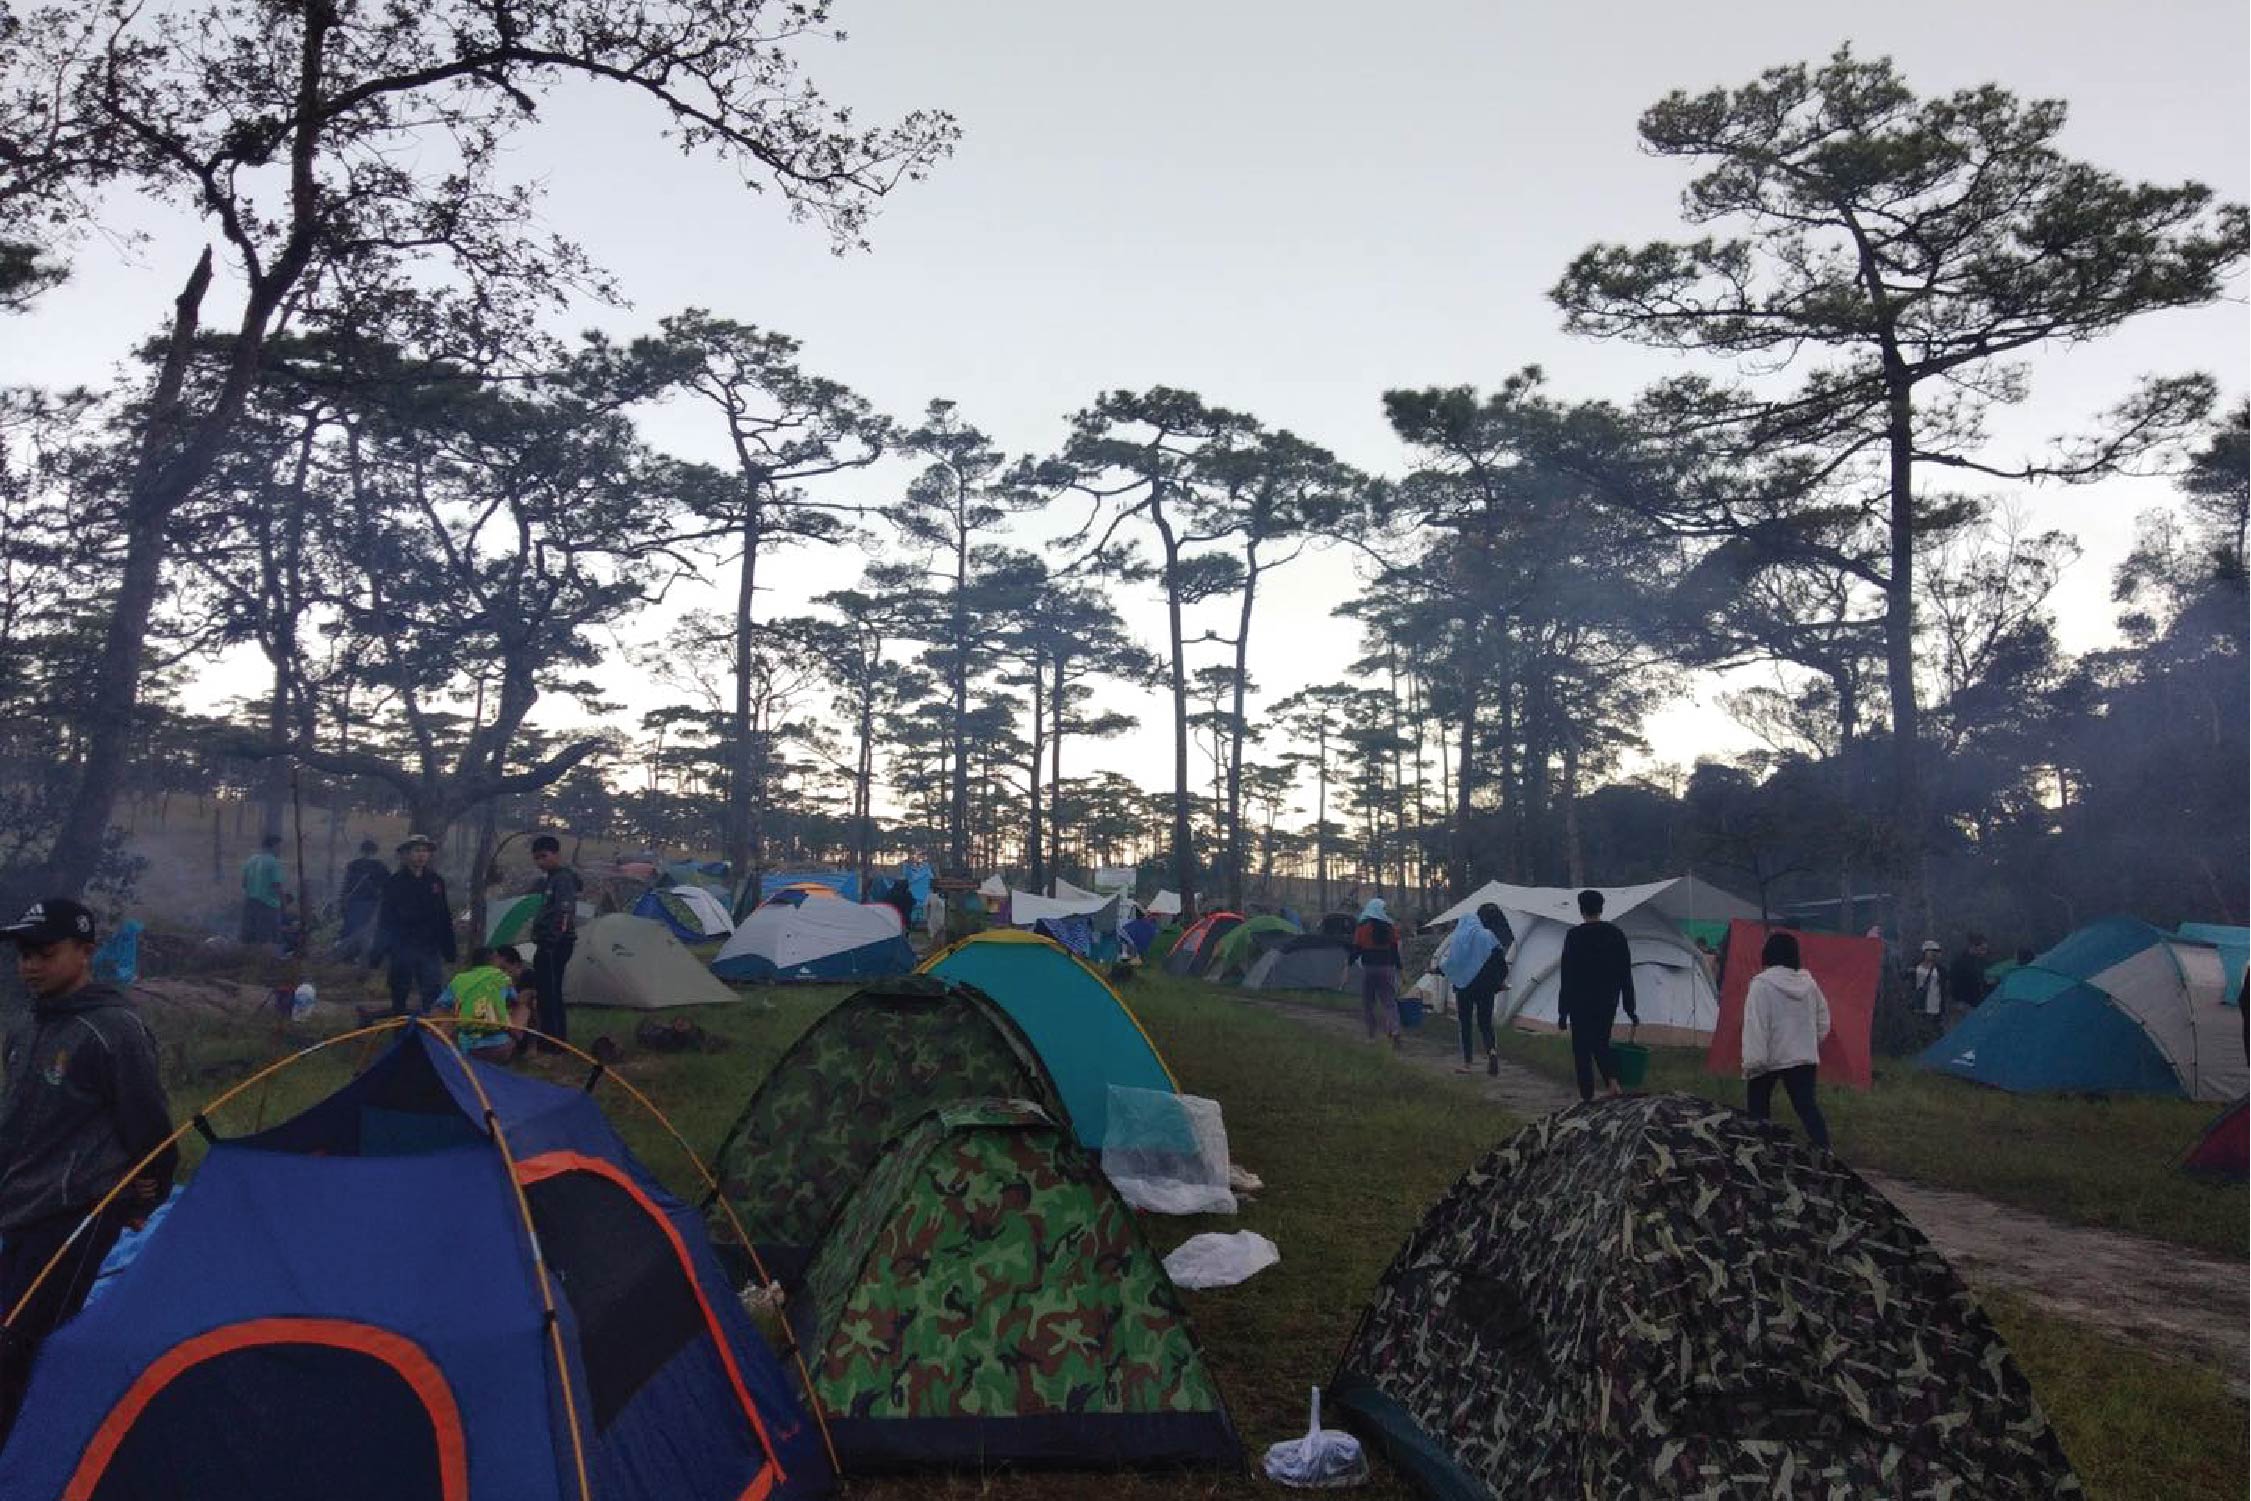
1658, 1296
855, 1079
985, 1298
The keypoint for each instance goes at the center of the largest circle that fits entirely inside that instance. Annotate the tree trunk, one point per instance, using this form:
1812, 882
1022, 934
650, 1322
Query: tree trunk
1183, 831
1465, 781
1061, 701
1899, 656
741, 780
480, 864
157, 489
1237, 728
1321, 813
1034, 843
1574, 858
957, 830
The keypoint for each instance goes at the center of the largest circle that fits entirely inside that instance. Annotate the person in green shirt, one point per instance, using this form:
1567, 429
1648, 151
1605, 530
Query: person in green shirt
489, 1009
261, 893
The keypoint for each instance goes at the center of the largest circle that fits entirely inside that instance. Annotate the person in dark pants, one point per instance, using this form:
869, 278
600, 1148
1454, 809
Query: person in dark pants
1375, 948
414, 929
361, 898
1596, 976
555, 931
83, 1107
1475, 963
1965, 977
1785, 1017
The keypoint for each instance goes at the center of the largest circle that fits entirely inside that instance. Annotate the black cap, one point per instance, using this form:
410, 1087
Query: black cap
54, 920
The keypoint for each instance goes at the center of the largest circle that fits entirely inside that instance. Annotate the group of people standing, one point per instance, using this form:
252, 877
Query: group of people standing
410, 933
1785, 1015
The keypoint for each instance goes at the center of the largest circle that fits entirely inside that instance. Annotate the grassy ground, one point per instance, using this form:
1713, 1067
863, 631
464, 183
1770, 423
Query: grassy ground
1353, 1145
2091, 1161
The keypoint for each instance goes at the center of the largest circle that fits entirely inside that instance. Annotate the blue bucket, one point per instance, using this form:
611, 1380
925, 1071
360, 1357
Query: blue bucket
1410, 1014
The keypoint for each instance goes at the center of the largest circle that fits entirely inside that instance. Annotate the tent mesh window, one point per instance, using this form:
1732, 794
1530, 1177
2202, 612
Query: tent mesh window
635, 1305
330, 1424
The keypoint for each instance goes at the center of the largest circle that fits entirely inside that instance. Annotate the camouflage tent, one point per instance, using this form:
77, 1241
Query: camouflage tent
985, 1298
861, 1075
1658, 1296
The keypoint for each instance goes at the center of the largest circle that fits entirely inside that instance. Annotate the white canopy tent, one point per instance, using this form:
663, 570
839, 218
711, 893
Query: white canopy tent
1672, 990
1164, 904
1028, 907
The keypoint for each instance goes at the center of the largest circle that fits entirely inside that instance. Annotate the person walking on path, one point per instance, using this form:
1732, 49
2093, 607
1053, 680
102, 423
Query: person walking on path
1785, 1017
555, 931
261, 893
83, 1106
360, 899
414, 928
1475, 963
1375, 948
1596, 977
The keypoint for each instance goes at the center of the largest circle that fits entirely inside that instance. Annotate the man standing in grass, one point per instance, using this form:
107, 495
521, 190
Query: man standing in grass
361, 899
261, 893
555, 931
83, 1106
1597, 974
414, 928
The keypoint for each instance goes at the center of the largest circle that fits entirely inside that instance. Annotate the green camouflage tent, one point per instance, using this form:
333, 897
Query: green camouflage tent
985, 1298
1241, 948
856, 1078
1658, 1296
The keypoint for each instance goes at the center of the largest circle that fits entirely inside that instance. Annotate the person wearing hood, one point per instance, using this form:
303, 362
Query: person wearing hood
1475, 963
1785, 1017
1375, 948
84, 1106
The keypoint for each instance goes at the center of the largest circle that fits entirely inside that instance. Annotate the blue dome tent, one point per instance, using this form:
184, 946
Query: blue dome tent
444, 1281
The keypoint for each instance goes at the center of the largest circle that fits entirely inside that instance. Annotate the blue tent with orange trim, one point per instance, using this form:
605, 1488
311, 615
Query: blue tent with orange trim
352, 1306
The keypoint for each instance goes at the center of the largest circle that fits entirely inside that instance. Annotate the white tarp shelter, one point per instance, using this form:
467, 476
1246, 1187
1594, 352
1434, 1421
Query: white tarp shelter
1028, 907
1672, 991
1164, 904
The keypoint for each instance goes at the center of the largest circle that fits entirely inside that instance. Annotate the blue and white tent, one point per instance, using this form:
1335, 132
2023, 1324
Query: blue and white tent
693, 914
816, 939
2118, 1007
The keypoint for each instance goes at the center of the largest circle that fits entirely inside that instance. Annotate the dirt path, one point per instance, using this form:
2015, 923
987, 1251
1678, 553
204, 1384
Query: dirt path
2162, 1298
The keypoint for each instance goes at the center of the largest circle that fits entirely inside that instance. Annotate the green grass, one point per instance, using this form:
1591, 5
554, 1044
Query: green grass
1353, 1145
2137, 1428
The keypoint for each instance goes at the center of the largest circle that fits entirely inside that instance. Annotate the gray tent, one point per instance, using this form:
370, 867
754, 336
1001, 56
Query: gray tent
1310, 961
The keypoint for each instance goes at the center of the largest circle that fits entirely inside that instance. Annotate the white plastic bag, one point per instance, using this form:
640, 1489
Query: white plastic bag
1167, 1153
1323, 1460
1215, 1260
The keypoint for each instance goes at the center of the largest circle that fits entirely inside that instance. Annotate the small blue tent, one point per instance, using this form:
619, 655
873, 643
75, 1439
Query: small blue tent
1082, 1028
352, 1306
2117, 1007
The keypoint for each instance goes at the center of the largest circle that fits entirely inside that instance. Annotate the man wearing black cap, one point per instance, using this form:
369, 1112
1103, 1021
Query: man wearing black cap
414, 928
83, 1106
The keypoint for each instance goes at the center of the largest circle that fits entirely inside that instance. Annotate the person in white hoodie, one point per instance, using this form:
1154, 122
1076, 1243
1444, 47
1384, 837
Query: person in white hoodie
1785, 1016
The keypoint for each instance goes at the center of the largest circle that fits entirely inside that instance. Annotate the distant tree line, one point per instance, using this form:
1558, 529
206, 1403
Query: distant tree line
432, 522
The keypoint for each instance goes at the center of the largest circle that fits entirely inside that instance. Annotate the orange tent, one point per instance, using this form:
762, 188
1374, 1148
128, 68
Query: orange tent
1850, 972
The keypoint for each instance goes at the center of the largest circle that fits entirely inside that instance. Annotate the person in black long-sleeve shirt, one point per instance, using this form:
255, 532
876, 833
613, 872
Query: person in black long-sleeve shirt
83, 1107
414, 929
1597, 975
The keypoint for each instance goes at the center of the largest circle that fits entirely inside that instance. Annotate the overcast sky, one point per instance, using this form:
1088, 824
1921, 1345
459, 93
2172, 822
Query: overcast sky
1290, 206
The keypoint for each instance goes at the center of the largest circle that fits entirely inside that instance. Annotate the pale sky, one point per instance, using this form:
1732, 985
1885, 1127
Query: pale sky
1288, 206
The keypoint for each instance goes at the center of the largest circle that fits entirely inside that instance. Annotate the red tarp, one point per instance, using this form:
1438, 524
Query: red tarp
2225, 1151
1850, 972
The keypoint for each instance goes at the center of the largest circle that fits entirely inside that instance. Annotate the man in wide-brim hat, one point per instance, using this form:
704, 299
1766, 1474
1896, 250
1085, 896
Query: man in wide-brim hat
414, 928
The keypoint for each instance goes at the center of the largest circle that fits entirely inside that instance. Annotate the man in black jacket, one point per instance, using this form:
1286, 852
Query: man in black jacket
83, 1107
555, 931
1597, 974
360, 900
414, 928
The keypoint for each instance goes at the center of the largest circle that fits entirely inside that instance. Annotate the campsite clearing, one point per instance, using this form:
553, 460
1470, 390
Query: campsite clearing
1353, 1144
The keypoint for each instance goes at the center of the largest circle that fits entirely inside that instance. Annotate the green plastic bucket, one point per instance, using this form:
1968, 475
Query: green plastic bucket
1631, 1060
